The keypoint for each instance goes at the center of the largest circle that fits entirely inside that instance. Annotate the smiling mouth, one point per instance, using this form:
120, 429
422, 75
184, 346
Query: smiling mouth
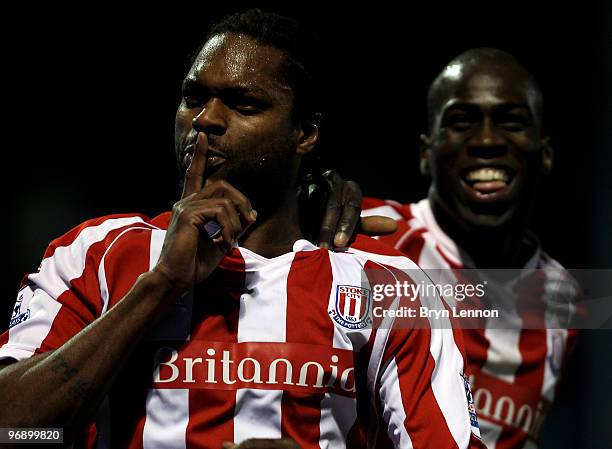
487, 181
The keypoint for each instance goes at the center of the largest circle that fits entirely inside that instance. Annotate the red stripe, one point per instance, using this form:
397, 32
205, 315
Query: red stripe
308, 288
125, 260
532, 342
215, 318
370, 203
4, 338
413, 245
68, 238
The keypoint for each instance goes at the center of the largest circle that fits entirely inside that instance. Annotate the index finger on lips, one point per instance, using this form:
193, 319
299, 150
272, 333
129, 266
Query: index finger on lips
194, 176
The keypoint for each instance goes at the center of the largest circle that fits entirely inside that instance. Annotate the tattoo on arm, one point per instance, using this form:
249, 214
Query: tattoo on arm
79, 389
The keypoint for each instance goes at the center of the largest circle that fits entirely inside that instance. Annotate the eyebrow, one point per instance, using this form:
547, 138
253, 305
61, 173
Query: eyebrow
233, 89
471, 106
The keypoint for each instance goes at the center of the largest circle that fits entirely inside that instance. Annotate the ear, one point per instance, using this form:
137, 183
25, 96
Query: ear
308, 135
425, 150
547, 156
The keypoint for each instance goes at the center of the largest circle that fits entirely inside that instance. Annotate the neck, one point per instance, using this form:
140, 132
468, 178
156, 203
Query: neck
489, 247
275, 231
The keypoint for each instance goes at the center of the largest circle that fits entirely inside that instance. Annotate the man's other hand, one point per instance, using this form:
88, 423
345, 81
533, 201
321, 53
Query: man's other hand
341, 219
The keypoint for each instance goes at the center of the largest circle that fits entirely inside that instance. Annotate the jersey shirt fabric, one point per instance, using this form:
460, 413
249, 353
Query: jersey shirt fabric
513, 372
253, 352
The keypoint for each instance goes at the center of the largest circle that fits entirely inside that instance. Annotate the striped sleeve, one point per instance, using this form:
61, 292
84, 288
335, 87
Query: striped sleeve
64, 295
421, 392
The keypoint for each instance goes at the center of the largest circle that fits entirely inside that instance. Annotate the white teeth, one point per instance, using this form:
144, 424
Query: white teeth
487, 174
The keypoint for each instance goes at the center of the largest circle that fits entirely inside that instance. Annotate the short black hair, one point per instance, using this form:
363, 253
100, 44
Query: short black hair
474, 60
300, 46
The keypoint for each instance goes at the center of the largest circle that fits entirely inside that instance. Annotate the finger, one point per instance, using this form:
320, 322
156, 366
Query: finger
228, 234
223, 189
351, 209
332, 209
194, 176
377, 225
228, 445
223, 213
232, 214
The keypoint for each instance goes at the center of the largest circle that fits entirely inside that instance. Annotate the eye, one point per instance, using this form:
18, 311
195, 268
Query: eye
515, 123
512, 126
458, 122
245, 105
246, 109
193, 97
190, 102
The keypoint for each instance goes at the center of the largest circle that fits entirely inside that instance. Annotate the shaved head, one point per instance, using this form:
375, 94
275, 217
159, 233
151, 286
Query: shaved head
480, 62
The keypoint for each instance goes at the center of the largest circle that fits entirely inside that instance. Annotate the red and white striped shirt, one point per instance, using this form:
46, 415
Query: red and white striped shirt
255, 351
513, 372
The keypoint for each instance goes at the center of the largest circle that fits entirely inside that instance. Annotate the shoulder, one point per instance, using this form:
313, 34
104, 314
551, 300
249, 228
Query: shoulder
386, 208
366, 249
97, 230
85, 245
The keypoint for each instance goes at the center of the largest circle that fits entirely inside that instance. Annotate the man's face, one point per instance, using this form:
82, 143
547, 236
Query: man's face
485, 154
234, 94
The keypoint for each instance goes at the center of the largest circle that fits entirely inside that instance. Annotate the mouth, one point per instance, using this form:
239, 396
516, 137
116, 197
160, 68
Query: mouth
488, 182
214, 159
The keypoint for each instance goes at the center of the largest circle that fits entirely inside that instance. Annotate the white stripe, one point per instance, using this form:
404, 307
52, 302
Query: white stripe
263, 308
263, 316
338, 414
27, 336
447, 385
399, 262
157, 242
393, 409
167, 418
385, 211
503, 353
556, 341
257, 414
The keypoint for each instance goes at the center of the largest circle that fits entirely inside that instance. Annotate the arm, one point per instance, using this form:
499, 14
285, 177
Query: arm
64, 387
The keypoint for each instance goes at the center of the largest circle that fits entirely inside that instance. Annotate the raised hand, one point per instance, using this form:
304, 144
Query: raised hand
189, 255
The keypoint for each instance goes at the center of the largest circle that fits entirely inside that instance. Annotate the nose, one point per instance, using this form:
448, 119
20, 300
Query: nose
212, 118
486, 142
